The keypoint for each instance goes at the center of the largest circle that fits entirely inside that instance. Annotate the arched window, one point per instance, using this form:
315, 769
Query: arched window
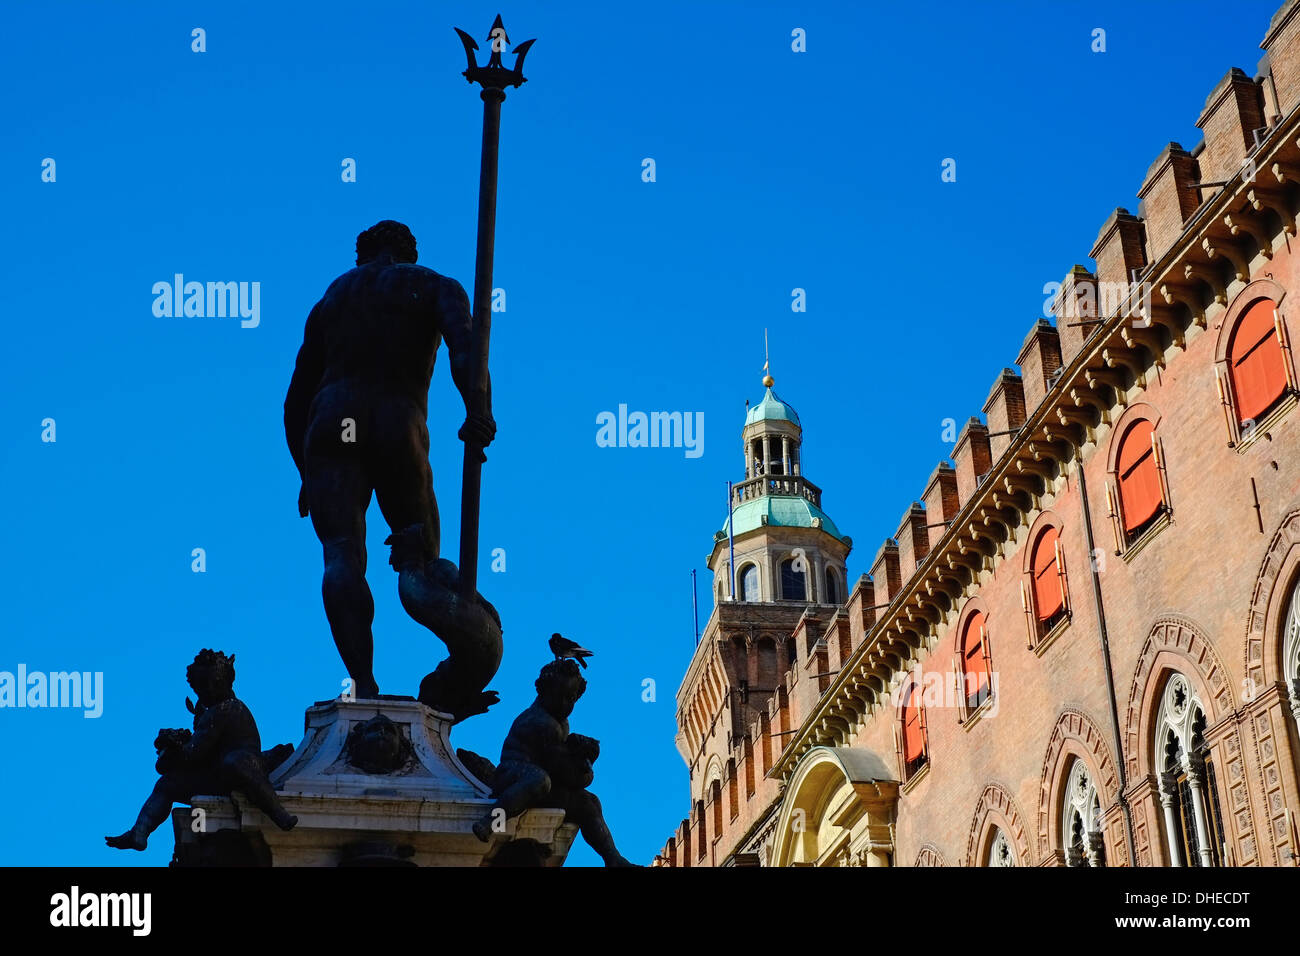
913, 731
1291, 652
1000, 852
832, 587
1048, 587
1256, 362
1141, 492
975, 662
794, 584
1189, 791
1081, 819
749, 583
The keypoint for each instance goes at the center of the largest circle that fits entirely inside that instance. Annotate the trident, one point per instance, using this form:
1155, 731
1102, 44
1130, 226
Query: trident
494, 78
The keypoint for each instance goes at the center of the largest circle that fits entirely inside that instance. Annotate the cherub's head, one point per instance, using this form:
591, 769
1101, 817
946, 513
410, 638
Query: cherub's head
212, 675
559, 686
389, 239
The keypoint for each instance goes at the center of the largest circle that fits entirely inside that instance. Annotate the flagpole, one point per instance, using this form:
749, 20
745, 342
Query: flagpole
731, 541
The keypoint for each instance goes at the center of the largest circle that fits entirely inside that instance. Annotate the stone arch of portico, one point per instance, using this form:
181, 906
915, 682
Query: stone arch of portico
838, 805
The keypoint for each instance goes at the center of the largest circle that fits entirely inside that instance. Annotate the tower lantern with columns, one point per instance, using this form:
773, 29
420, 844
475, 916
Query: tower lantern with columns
786, 547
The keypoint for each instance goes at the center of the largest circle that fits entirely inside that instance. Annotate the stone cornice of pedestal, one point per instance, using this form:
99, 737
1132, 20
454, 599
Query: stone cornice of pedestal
319, 765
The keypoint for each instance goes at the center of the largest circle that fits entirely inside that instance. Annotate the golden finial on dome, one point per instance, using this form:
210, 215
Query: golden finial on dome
768, 380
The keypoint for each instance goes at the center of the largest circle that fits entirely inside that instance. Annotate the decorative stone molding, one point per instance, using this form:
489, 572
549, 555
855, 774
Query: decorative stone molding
996, 809
1265, 621
929, 856
1174, 644
1075, 736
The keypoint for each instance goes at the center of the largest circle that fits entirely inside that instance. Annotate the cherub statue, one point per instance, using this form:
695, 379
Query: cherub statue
543, 765
224, 753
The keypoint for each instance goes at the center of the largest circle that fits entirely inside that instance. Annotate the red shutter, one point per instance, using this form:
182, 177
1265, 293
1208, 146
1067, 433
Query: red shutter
1047, 588
913, 738
1256, 360
1139, 480
974, 663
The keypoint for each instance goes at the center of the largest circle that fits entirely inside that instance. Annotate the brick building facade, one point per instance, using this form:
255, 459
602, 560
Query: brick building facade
1082, 645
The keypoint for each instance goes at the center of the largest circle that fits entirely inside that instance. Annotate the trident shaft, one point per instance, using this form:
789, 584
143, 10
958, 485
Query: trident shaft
494, 78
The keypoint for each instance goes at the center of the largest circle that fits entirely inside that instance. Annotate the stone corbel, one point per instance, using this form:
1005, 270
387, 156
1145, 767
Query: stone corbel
1200, 273
1219, 247
1286, 172
1177, 293
1144, 337
1168, 320
1242, 224
1098, 378
1262, 198
1087, 397
1050, 449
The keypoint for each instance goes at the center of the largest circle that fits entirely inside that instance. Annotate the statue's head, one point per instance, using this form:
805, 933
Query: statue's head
559, 686
212, 674
386, 239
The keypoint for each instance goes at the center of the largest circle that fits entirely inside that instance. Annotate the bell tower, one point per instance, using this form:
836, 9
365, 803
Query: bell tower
785, 548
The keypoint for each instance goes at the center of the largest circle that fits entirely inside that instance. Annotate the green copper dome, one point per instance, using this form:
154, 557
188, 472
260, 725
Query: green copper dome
771, 408
784, 511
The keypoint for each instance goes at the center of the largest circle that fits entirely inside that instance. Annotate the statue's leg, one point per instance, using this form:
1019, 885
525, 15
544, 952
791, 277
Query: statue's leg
403, 478
525, 785
176, 787
583, 808
338, 495
244, 772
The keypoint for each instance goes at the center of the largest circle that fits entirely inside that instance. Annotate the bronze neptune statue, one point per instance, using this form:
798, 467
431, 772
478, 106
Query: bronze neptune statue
355, 420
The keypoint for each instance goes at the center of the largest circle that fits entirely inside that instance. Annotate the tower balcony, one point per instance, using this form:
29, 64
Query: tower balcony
790, 485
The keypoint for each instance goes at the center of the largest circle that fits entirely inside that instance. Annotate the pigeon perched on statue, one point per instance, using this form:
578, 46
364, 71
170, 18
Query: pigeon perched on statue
562, 647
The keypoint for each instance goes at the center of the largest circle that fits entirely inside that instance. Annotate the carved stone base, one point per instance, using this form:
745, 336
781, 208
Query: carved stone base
413, 805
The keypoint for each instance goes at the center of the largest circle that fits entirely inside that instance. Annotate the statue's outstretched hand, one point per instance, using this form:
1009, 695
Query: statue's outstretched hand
478, 429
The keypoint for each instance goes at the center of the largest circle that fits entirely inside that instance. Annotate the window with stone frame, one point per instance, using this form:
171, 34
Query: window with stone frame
1047, 594
1081, 825
975, 662
794, 582
1291, 651
1138, 498
1189, 791
913, 746
749, 584
1257, 362
1000, 852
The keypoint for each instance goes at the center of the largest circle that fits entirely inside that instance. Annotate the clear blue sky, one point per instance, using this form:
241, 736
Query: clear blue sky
775, 170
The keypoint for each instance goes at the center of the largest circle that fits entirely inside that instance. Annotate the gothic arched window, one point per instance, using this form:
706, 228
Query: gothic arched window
1081, 819
1000, 852
749, 583
1291, 651
1188, 783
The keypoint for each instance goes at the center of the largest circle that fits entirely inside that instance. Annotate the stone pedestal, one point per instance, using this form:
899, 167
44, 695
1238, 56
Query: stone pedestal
418, 813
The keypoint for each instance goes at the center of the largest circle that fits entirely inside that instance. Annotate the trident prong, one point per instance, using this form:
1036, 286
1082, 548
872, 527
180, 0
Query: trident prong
494, 74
